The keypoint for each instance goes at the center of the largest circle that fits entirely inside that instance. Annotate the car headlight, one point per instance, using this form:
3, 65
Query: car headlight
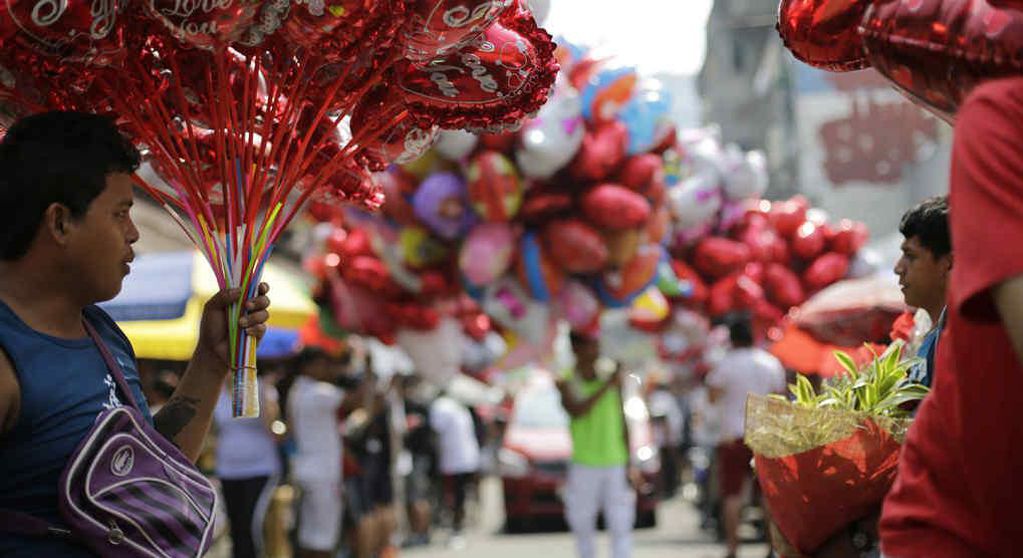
512, 464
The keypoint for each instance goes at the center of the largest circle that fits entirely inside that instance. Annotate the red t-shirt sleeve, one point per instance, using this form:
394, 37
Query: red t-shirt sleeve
986, 203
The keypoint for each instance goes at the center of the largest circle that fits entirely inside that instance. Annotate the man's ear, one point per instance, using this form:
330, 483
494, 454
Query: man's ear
57, 222
946, 262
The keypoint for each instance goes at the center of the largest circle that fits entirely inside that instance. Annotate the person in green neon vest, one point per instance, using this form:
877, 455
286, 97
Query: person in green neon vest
599, 476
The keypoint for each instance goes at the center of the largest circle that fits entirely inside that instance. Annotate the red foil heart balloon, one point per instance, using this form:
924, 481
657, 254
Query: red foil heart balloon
387, 132
936, 51
823, 33
86, 31
334, 31
499, 79
436, 28
205, 24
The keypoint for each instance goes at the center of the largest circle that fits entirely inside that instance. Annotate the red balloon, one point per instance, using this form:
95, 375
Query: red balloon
614, 207
336, 240
436, 28
787, 216
498, 80
808, 242
936, 51
204, 24
396, 184
502, 142
826, 270
576, 246
717, 257
824, 33
370, 273
849, 237
748, 293
755, 271
354, 244
641, 172
386, 132
335, 32
783, 286
602, 150
721, 297
495, 188
544, 206
83, 31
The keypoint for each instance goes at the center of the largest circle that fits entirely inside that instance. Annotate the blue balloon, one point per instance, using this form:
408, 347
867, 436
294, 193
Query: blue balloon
647, 117
602, 81
533, 270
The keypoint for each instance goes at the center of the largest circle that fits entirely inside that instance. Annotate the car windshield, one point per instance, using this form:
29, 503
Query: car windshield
539, 408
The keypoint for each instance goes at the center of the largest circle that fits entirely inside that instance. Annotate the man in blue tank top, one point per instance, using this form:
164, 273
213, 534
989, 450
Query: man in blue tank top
66, 244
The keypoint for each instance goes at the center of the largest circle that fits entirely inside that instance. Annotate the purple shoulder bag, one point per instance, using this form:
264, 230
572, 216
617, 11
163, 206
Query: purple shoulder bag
126, 490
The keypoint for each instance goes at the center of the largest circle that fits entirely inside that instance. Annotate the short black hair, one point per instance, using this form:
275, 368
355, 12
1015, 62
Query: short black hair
55, 157
581, 339
740, 332
308, 355
928, 222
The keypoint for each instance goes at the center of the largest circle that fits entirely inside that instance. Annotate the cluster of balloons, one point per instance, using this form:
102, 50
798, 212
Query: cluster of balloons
935, 51
740, 253
598, 203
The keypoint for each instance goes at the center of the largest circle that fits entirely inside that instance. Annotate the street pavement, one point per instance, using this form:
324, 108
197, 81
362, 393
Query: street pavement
677, 535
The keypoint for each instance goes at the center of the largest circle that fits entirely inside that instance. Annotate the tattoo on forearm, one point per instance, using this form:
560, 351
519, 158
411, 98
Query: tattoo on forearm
175, 416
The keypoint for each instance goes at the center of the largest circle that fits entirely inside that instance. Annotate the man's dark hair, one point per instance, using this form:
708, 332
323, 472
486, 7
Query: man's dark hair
580, 339
740, 331
307, 356
928, 222
55, 157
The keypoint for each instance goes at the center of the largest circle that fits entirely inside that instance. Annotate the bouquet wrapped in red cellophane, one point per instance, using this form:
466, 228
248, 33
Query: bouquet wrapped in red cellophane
827, 458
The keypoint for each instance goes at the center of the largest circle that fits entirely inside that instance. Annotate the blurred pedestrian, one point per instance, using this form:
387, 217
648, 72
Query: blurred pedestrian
667, 423
599, 476
248, 466
458, 451
745, 370
419, 447
314, 403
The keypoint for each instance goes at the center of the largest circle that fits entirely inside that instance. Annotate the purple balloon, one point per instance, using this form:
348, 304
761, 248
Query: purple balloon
442, 203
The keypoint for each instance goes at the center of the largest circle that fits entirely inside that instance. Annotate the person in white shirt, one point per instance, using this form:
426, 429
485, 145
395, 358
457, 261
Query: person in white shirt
458, 451
313, 406
743, 371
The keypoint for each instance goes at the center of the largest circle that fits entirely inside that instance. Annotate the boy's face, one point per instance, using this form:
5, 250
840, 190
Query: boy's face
99, 243
923, 277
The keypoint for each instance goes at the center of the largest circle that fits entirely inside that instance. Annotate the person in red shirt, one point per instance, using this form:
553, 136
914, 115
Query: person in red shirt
959, 488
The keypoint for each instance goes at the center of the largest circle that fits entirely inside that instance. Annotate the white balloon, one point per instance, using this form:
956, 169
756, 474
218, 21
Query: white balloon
550, 141
437, 354
455, 145
695, 201
745, 175
507, 303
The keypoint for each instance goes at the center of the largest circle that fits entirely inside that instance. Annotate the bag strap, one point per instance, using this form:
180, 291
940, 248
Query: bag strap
24, 524
112, 365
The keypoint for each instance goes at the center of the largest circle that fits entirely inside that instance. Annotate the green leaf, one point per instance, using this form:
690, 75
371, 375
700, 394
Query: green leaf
847, 363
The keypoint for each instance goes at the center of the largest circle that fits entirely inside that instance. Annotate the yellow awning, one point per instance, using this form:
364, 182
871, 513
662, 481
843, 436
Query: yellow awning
290, 308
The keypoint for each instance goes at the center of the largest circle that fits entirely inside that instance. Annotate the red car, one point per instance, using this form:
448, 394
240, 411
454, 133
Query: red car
536, 449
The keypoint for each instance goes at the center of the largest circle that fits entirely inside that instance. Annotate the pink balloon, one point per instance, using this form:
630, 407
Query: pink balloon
487, 253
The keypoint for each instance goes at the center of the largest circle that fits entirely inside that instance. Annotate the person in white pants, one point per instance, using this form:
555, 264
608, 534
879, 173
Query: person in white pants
599, 477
